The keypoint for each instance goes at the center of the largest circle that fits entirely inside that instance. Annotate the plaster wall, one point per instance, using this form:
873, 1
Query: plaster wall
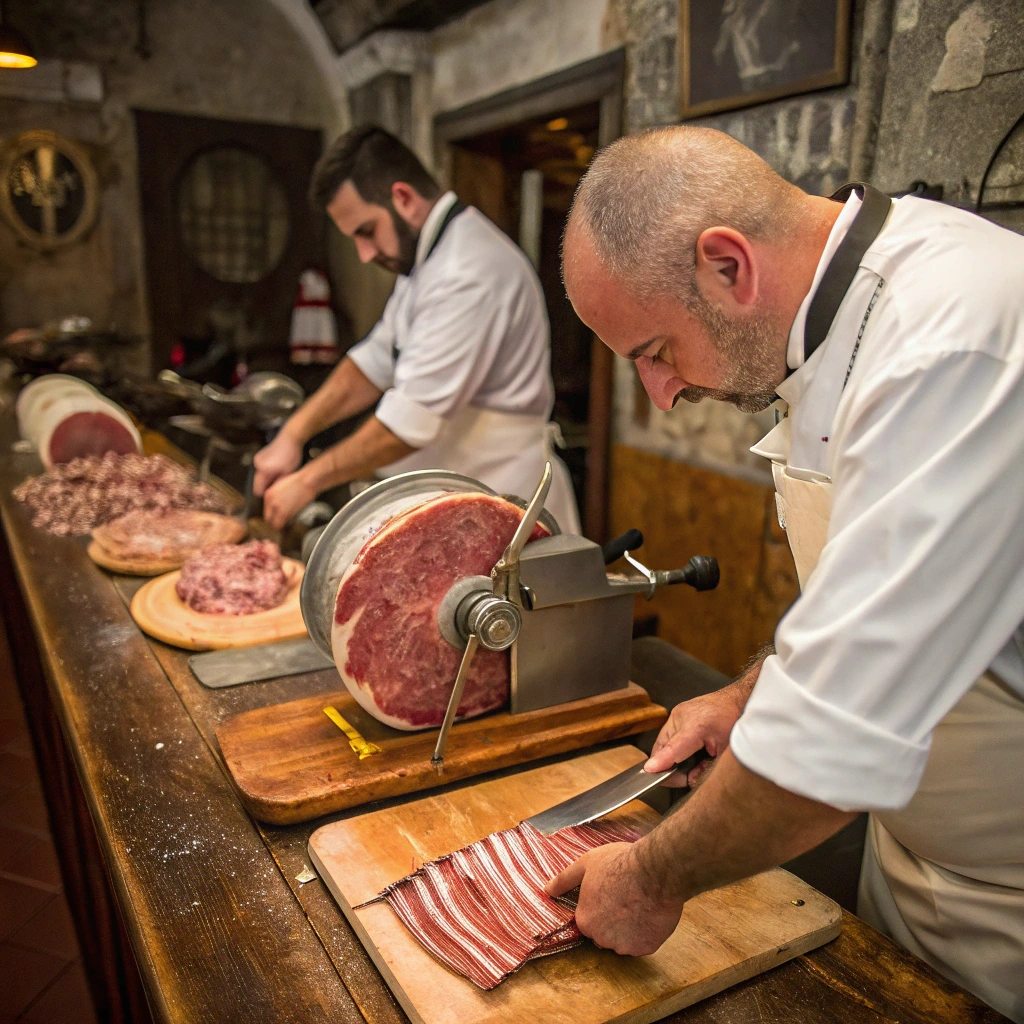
235, 59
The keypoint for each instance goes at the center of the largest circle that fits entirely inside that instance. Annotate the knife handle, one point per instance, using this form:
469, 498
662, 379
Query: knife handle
692, 761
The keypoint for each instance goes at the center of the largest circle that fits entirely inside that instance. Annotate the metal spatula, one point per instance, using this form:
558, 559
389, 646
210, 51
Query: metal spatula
606, 797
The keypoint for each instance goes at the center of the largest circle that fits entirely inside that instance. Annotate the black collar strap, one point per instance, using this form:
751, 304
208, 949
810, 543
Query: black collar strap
843, 266
453, 211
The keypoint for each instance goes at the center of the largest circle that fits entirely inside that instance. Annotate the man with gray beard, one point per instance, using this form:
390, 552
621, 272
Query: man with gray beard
893, 334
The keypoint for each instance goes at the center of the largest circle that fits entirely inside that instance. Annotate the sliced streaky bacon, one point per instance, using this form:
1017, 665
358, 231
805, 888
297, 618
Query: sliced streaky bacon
482, 911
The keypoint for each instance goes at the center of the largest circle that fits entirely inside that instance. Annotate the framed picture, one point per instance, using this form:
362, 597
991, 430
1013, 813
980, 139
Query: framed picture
735, 53
49, 190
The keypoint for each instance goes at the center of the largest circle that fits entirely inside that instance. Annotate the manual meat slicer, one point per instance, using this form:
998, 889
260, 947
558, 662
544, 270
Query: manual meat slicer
564, 619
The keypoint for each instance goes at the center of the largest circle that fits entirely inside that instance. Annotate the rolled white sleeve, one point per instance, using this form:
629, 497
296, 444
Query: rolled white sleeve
918, 587
407, 419
374, 355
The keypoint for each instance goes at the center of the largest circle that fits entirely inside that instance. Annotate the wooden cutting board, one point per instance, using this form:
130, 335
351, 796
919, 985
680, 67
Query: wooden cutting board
725, 936
131, 566
159, 612
291, 763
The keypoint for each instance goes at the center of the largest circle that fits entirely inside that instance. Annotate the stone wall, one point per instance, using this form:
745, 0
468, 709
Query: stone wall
954, 88
235, 59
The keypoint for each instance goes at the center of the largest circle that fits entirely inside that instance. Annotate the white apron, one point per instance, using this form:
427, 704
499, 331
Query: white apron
944, 876
503, 450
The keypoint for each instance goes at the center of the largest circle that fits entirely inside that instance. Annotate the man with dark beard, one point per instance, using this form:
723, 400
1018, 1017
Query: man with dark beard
893, 333
458, 366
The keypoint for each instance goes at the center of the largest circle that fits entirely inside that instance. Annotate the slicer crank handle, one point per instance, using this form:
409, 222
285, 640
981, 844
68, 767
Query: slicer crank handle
618, 546
701, 573
437, 761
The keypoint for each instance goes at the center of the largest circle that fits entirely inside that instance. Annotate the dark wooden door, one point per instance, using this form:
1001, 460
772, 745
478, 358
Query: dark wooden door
227, 231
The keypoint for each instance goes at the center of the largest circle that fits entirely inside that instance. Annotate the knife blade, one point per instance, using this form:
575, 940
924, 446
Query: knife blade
607, 796
258, 662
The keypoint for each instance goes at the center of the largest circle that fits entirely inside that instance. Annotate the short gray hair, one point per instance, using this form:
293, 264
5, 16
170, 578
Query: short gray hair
647, 198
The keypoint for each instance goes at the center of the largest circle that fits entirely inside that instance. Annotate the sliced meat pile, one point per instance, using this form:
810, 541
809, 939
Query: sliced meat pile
234, 579
386, 642
78, 496
482, 911
166, 535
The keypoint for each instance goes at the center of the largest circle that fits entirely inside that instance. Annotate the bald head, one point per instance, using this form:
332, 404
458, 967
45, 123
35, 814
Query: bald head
647, 198
685, 252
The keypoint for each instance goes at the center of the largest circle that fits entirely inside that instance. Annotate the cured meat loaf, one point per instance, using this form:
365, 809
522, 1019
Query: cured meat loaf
385, 638
65, 418
482, 911
166, 534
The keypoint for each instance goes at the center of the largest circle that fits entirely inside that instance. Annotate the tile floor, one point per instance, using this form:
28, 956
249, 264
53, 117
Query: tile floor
41, 975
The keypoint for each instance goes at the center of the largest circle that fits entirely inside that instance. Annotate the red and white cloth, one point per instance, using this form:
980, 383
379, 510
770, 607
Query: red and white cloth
314, 333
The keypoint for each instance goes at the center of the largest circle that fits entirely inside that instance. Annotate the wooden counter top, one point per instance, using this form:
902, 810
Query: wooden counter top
220, 928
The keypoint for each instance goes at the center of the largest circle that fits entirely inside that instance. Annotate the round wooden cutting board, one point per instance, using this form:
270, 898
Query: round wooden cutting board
159, 612
132, 566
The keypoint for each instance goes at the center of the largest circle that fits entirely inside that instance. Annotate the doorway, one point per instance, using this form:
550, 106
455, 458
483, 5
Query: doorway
227, 231
518, 157
523, 178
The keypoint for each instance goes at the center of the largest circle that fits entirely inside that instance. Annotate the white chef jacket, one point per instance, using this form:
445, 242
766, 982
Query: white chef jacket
920, 586
469, 327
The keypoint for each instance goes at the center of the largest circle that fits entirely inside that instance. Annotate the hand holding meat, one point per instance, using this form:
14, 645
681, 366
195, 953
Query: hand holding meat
615, 909
286, 498
279, 458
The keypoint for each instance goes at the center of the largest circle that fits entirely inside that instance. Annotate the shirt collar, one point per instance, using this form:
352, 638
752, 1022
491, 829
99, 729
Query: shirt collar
432, 225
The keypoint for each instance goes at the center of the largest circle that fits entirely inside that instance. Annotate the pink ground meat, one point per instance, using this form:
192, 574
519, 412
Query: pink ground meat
77, 496
234, 579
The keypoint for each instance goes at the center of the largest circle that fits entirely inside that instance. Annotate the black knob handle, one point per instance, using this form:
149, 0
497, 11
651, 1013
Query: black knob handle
702, 572
618, 546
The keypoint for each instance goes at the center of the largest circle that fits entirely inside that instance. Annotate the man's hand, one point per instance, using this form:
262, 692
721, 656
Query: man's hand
702, 722
286, 498
614, 909
279, 458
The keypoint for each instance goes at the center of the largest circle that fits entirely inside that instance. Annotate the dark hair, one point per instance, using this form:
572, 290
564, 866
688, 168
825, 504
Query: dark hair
373, 160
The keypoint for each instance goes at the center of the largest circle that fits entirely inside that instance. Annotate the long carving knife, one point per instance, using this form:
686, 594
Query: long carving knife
608, 796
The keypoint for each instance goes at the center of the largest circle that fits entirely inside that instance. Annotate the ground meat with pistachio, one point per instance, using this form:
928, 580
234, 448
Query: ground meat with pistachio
77, 496
234, 579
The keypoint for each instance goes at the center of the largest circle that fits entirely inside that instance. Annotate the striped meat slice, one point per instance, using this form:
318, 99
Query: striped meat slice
482, 911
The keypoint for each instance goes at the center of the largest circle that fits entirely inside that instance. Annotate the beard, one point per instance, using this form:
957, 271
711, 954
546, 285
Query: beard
408, 239
749, 347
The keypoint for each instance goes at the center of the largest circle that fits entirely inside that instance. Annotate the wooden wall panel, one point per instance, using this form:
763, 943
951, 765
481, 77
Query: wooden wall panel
684, 511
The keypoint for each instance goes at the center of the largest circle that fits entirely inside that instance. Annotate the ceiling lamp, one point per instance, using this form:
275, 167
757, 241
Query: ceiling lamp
15, 49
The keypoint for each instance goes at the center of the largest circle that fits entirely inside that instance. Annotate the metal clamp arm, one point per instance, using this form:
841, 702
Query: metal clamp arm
505, 573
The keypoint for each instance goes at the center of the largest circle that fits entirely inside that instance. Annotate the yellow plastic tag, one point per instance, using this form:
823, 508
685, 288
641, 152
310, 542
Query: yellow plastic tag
355, 740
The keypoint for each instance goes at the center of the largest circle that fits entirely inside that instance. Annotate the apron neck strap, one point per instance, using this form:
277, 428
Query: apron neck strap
843, 266
453, 211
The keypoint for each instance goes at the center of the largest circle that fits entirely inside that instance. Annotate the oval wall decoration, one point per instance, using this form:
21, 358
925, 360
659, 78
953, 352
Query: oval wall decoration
49, 190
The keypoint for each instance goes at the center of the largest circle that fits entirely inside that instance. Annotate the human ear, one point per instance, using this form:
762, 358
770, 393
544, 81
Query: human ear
726, 268
404, 198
